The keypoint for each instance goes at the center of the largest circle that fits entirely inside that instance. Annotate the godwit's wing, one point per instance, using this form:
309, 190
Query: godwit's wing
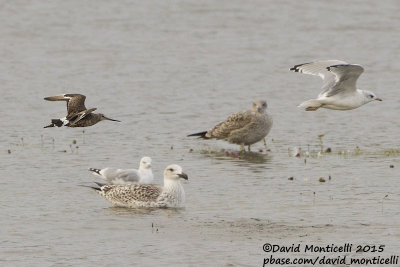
74, 118
75, 102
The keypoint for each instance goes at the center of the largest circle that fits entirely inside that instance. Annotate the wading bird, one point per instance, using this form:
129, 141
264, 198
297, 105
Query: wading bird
77, 114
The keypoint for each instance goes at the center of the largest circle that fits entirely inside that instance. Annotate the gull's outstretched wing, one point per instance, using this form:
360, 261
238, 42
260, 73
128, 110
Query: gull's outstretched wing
320, 68
346, 76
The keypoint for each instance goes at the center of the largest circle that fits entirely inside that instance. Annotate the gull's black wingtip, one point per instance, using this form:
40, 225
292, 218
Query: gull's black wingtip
335, 66
296, 68
95, 170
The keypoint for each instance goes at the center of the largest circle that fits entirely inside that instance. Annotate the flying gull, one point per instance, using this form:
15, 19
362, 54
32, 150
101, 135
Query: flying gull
143, 175
243, 128
171, 195
339, 85
77, 114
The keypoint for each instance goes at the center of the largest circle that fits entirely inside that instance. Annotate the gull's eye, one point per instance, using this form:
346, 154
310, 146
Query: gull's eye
371, 96
171, 170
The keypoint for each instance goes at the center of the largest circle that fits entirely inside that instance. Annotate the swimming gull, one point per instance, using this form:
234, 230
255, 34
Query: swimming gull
77, 114
339, 85
243, 128
143, 175
171, 195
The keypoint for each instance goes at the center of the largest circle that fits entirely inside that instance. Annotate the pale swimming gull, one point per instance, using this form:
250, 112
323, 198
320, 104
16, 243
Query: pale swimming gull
77, 114
243, 128
339, 85
143, 175
171, 195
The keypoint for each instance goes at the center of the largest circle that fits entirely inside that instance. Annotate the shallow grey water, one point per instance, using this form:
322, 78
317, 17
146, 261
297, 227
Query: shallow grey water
170, 68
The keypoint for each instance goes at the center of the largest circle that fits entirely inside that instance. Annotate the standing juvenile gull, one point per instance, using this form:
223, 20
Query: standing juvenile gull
143, 175
77, 114
339, 85
171, 195
243, 128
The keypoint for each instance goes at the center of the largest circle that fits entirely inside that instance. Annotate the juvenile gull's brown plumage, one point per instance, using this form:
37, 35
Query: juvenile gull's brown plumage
77, 114
148, 195
243, 128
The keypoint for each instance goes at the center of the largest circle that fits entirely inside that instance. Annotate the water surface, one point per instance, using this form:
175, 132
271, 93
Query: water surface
170, 68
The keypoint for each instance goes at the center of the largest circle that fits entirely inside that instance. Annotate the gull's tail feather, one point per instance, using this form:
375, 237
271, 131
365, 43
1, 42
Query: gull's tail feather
95, 188
311, 105
100, 184
200, 134
102, 189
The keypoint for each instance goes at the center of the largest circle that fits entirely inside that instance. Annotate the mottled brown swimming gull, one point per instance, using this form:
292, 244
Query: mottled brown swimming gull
171, 195
339, 85
77, 114
143, 175
243, 128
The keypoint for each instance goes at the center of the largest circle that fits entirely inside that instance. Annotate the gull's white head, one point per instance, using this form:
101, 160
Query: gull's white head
369, 96
260, 106
174, 172
145, 163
